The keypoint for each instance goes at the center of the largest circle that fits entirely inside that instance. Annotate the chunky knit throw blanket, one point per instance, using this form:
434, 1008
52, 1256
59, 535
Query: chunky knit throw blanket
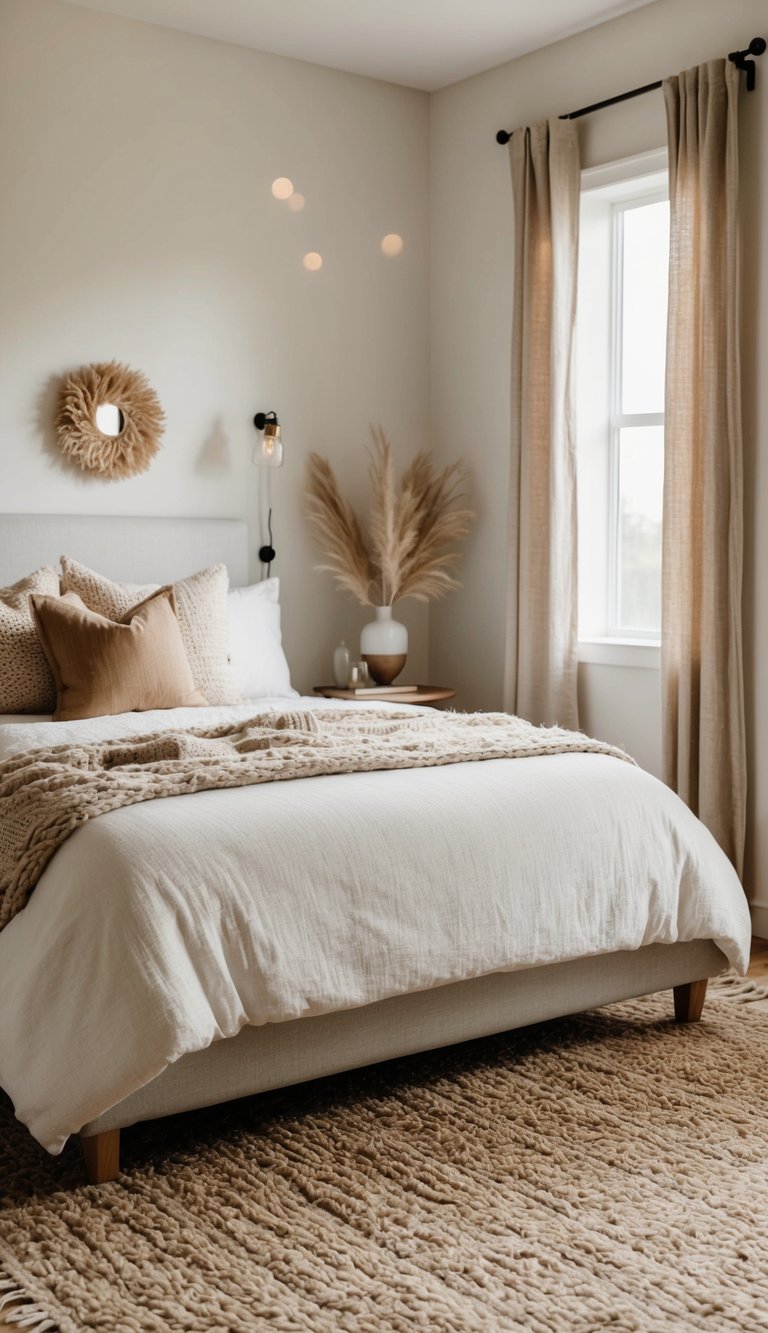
46, 794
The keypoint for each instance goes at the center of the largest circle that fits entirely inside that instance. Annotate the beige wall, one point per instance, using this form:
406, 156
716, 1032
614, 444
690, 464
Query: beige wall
137, 223
471, 300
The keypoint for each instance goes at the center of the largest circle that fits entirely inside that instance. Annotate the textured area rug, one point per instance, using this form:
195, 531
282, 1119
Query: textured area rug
601, 1172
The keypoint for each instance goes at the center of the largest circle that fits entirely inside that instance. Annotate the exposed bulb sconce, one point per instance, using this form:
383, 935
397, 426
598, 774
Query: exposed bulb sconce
268, 452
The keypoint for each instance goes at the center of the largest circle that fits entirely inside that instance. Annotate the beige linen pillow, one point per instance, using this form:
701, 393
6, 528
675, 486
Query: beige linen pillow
201, 606
26, 683
102, 667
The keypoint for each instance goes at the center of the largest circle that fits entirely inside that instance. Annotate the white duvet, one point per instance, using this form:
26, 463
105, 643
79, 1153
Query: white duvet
160, 928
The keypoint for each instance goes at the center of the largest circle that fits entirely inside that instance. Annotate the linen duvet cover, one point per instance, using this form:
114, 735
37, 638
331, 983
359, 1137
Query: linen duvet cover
162, 927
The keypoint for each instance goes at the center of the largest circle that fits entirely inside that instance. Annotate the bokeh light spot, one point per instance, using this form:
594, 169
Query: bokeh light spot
313, 261
392, 245
296, 202
282, 188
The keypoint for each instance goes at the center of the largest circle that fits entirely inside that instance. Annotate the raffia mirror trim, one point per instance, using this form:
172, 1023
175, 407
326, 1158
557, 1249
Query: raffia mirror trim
80, 440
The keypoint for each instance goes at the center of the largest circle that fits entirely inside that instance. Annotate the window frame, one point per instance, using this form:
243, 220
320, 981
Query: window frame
619, 420
627, 183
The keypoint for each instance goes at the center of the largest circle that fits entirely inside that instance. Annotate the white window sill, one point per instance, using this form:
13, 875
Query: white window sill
620, 652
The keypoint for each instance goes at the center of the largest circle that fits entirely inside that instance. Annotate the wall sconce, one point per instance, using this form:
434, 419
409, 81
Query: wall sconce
268, 452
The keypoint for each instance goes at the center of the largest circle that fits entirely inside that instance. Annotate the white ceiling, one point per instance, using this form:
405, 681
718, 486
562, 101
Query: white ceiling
421, 43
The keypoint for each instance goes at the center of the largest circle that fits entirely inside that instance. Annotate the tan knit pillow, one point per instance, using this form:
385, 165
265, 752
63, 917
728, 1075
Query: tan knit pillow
102, 667
26, 683
201, 606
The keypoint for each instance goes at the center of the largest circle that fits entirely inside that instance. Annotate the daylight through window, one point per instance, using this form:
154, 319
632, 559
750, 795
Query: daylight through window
621, 339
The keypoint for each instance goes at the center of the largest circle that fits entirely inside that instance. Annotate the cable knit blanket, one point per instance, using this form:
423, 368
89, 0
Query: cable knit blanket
46, 794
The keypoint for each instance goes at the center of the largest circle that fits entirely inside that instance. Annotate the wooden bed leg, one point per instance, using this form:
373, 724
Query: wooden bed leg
689, 1001
102, 1156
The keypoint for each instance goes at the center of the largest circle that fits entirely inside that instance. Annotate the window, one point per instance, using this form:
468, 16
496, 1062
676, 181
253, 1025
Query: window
621, 341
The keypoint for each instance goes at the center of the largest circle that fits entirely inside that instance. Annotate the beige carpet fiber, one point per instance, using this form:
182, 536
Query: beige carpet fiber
603, 1172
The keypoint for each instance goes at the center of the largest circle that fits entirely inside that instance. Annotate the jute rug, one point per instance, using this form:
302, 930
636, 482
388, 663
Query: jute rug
603, 1172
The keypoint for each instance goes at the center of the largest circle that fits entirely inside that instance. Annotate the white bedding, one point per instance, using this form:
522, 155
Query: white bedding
162, 927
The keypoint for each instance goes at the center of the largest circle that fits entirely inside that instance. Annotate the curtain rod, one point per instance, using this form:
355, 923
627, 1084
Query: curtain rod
740, 59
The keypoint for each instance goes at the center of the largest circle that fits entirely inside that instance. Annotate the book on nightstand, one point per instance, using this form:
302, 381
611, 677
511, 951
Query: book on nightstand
364, 690
406, 694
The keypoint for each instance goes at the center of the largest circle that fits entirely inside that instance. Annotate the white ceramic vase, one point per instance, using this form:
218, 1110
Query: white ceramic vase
384, 646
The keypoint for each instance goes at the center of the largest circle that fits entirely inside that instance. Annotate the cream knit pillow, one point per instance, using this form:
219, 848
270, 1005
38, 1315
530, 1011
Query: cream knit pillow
26, 683
201, 607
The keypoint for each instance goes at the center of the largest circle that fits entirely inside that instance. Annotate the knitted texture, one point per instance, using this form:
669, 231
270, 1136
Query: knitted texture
602, 1172
26, 683
46, 794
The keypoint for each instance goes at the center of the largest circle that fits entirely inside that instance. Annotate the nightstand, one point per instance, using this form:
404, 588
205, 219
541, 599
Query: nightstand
423, 694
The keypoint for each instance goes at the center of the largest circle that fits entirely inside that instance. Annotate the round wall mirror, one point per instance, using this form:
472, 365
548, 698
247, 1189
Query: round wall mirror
109, 419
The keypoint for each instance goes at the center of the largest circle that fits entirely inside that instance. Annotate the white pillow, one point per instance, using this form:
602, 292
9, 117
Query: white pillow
256, 656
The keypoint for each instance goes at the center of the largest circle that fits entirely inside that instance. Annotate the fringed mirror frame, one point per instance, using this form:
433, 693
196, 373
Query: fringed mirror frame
143, 420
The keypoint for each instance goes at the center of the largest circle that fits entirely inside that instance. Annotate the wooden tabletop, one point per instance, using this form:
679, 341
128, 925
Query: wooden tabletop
423, 694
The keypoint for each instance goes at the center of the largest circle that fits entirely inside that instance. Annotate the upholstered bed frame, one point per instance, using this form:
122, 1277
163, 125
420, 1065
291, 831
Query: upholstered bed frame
134, 550
278, 1054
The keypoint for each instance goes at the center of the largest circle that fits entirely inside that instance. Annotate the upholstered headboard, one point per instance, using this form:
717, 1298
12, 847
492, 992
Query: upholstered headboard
133, 550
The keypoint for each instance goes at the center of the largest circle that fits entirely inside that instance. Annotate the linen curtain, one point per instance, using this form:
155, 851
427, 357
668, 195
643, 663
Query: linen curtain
540, 672
701, 649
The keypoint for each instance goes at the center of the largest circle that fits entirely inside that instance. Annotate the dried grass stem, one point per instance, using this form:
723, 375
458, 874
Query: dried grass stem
413, 527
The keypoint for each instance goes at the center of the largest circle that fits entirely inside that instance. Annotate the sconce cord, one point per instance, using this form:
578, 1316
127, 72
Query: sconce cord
267, 552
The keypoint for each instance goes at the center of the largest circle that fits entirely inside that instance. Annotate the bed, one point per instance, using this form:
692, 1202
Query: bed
185, 952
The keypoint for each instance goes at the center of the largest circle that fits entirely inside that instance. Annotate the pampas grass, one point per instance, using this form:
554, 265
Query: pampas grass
413, 526
338, 532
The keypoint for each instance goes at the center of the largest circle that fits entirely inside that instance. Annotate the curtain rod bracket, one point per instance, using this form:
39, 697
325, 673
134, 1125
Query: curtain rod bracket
756, 48
740, 59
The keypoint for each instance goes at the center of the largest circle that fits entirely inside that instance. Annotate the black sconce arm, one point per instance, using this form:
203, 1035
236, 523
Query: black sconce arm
262, 418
